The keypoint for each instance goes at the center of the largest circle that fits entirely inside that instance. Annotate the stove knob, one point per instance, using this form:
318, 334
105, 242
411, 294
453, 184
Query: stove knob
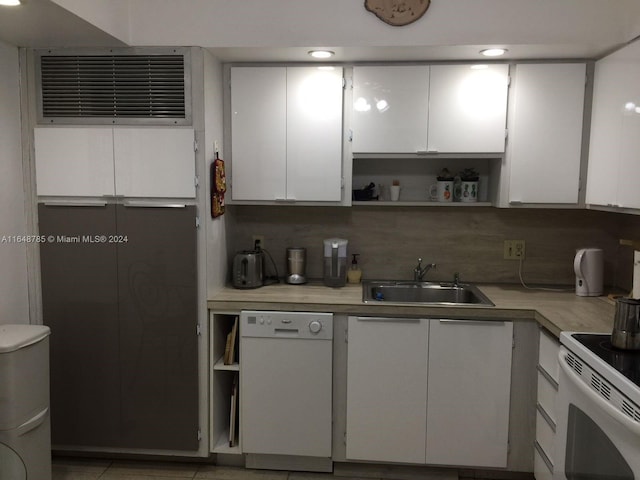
315, 326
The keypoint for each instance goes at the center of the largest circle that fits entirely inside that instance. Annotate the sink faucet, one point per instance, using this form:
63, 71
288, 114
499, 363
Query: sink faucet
419, 272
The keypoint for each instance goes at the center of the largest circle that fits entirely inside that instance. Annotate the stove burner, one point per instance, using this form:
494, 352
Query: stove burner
627, 362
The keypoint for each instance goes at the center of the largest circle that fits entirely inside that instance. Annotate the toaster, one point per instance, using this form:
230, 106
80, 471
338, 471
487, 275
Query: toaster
247, 269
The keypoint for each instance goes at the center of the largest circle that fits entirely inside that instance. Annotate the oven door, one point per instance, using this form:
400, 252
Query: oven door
595, 439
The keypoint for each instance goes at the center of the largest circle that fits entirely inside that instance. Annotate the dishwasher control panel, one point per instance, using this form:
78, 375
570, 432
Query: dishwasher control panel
272, 324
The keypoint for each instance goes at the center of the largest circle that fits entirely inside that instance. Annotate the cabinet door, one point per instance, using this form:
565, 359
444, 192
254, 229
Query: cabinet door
314, 134
545, 133
154, 162
628, 193
468, 108
469, 392
74, 161
80, 304
387, 389
158, 344
615, 130
258, 133
390, 107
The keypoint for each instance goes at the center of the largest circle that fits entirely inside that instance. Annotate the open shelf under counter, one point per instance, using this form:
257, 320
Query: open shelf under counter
220, 365
222, 444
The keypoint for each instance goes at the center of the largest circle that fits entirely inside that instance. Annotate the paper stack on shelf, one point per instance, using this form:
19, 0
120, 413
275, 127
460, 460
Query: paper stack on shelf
230, 348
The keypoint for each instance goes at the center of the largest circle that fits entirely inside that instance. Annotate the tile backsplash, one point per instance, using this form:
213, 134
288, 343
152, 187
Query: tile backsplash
468, 240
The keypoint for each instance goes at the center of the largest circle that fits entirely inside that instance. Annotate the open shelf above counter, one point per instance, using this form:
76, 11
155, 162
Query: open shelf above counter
417, 173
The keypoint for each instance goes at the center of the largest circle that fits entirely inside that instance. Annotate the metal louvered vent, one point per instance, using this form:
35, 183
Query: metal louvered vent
114, 88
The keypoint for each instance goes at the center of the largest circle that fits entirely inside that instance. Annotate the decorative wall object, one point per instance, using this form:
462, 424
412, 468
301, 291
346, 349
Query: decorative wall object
397, 12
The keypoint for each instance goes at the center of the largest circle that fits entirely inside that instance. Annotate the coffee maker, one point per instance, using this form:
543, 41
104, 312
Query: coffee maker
335, 262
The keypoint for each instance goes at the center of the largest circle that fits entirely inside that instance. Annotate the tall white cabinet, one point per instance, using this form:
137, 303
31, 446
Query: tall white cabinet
436, 109
615, 131
545, 133
286, 125
429, 391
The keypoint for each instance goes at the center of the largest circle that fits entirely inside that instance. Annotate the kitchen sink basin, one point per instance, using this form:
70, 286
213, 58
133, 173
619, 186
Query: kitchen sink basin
430, 293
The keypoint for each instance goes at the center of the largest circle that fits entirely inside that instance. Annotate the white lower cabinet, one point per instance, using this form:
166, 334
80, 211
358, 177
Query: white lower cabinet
387, 389
469, 392
548, 375
429, 391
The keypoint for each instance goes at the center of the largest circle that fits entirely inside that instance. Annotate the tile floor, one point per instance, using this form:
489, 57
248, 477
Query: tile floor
79, 469
90, 469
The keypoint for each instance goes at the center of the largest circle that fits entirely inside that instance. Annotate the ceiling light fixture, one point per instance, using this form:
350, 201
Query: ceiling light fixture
493, 52
321, 53
10, 3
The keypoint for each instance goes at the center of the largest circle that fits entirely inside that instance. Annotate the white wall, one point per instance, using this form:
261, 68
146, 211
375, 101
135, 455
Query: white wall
14, 306
216, 228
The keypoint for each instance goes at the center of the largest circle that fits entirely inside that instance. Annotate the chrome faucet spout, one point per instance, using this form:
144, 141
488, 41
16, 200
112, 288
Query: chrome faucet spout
419, 272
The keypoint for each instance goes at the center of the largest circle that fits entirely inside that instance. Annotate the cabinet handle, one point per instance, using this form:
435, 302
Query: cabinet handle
389, 319
286, 200
70, 203
544, 456
548, 377
471, 322
426, 152
152, 205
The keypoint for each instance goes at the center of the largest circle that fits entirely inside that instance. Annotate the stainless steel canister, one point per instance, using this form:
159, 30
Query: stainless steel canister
296, 265
626, 324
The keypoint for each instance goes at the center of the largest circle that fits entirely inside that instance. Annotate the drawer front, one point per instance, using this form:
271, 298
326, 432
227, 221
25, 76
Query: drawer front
541, 470
547, 394
545, 436
548, 354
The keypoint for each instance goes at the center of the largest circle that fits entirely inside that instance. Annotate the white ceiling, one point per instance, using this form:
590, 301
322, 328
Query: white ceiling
284, 30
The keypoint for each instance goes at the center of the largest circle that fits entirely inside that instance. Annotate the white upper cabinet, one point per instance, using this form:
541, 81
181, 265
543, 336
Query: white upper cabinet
439, 109
314, 134
74, 162
545, 133
286, 129
615, 131
390, 109
468, 108
154, 162
259, 132
131, 162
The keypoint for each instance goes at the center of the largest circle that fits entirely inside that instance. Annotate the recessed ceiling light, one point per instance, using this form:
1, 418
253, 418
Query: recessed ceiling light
321, 53
493, 52
10, 3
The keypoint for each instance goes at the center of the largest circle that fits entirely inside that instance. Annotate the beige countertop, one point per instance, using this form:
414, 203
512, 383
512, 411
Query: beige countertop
556, 311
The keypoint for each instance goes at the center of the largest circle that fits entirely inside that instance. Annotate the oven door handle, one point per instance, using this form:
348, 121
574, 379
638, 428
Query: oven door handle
601, 402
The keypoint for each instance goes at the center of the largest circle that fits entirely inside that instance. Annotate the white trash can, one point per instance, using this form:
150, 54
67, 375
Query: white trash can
25, 428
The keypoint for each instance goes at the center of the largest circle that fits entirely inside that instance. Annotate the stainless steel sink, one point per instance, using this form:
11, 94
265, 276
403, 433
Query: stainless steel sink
431, 293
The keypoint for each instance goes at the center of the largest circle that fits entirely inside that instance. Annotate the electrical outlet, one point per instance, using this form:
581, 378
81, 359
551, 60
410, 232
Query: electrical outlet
514, 249
258, 240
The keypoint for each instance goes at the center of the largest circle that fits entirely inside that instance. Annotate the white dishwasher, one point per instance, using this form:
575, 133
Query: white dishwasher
286, 389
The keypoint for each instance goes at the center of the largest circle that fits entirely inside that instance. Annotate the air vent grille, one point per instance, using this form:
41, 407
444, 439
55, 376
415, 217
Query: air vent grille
113, 86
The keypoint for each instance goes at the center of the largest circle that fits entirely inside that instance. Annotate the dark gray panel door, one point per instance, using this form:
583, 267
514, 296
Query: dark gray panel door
80, 305
157, 288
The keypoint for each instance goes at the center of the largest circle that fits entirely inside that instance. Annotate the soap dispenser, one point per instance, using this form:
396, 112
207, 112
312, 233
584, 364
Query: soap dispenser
354, 274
